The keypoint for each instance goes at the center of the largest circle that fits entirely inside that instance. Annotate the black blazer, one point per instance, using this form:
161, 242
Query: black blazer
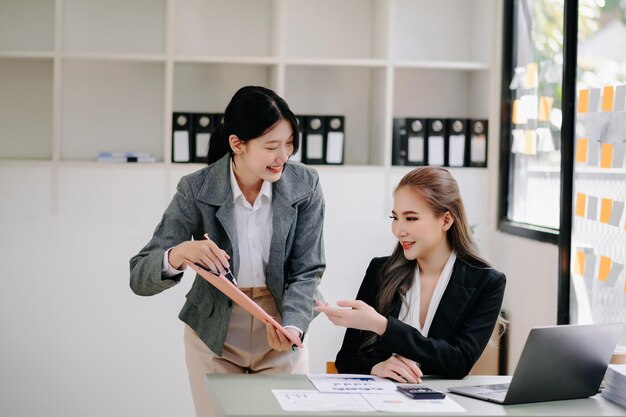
460, 330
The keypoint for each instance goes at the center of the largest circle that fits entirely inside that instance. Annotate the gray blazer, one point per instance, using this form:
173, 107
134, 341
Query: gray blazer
202, 204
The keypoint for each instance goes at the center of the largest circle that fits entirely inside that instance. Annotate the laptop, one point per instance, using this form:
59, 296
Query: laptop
557, 363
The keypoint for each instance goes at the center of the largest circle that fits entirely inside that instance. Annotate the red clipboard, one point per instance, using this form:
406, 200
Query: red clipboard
231, 291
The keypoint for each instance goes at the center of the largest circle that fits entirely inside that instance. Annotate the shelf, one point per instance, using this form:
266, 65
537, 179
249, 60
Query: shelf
26, 54
241, 60
313, 29
223, 27
209, 87
27, 25
104, 56
328, 62
462, 32
440, 93
111, 106
113, 72
26, 109
443, 65
114, 26
357, 93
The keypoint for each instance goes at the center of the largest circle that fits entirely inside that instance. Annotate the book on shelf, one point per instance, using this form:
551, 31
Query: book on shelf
119, 157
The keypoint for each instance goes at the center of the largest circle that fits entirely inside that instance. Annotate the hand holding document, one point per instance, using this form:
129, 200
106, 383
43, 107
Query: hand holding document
231, 291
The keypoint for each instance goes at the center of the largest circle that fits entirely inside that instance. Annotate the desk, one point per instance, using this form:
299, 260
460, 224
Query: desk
251, 396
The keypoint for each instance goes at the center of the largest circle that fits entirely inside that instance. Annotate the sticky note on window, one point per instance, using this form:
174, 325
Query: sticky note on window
582, 146
530, 106
616, 213
606, 155
545, 106
592, 207
616, 270
579, 266
581, 204
594, 100
530, 142
531, 74
605, 210
605, 268
608, 93
519, 115
583, 101
590, 265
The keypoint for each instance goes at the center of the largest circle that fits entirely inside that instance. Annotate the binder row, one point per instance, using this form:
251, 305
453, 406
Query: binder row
191, 135
321, 138
589, 265
439, 142
610, 210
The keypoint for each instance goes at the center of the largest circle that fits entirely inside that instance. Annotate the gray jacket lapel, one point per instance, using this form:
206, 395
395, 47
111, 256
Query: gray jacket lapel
216, 191
286, 193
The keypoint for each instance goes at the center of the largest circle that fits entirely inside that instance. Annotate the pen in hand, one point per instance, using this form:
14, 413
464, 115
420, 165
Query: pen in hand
228, 274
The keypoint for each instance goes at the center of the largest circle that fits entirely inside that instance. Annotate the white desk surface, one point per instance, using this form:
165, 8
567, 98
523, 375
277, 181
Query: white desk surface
251, 396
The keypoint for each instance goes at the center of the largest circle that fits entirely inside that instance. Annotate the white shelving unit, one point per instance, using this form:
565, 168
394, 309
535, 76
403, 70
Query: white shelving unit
82, 76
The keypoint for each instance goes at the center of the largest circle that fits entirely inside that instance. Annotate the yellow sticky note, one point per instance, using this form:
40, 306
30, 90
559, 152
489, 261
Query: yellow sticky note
515, 113
606, 155
531, 74
545, 106
581, 204
583, 101
605, 210
579, 265
608, 93
530, 142
605, 268
582, 147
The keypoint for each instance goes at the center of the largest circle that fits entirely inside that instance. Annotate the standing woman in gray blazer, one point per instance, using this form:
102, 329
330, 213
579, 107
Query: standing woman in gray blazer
263, 216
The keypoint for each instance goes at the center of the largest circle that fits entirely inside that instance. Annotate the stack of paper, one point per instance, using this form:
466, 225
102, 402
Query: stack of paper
350, 393
615, 384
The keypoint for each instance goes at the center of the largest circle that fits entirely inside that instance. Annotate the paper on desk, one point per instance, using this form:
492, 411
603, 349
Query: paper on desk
351, 383
311, 400
235, 294
398, 403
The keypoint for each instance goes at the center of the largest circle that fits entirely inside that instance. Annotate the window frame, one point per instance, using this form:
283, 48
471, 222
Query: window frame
506, 225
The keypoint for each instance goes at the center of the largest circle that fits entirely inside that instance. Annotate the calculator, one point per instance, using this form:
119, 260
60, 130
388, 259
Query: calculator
420, 392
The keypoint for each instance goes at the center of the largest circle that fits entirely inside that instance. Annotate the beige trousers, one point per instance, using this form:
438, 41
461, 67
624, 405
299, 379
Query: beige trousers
245, 351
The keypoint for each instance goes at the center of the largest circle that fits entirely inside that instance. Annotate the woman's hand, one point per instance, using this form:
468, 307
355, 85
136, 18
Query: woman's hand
400, 369
279, 341
205, 252
359, 316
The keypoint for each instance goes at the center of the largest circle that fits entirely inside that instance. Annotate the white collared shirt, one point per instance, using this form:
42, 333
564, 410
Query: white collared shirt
410, 314
254, 235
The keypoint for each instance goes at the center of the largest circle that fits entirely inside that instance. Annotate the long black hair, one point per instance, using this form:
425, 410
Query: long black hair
252, 111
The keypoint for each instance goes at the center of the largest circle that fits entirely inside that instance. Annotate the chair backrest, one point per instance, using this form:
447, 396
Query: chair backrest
331, 368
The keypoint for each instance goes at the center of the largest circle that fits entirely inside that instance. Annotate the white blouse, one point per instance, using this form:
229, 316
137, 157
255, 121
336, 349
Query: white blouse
410, 311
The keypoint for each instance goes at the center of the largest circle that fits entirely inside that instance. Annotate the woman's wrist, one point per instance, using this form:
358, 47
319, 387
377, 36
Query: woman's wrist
173, 259
380, 325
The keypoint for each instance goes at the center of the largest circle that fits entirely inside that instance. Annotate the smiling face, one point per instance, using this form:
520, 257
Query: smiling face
263, 158
418, 229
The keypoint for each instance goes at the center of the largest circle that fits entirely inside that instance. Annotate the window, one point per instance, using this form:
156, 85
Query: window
597, 286
531, 118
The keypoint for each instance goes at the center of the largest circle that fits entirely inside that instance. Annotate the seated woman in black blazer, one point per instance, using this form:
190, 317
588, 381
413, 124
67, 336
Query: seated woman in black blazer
432, 305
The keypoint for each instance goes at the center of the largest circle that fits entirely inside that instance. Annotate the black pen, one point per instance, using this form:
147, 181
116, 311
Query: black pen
228, 274
231, 278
